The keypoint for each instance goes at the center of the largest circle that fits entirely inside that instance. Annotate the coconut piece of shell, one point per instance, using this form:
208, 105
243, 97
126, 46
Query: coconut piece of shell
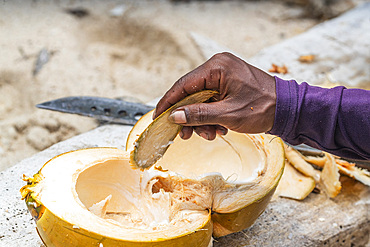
297, 160
294, 184
315, 160
159, 135
330, 177
345, 167
352, 171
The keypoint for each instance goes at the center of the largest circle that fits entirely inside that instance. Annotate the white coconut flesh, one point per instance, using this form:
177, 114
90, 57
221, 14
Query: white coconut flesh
98, 190
198, 157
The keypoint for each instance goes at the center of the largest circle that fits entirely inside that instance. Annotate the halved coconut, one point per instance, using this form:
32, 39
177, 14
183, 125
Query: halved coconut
94, 197
240, 172
64, 200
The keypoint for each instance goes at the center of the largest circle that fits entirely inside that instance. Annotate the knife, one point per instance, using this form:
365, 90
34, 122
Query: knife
103, 109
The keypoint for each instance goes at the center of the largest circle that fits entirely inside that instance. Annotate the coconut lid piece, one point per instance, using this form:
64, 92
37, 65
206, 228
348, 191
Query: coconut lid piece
159, 135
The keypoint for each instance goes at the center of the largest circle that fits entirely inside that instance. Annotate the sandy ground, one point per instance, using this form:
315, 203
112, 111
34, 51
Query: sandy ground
138, 54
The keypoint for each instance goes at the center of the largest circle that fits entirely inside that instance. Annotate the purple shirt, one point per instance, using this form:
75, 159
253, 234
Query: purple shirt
335, 120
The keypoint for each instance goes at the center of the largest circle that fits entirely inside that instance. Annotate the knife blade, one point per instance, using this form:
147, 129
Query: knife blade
103, 109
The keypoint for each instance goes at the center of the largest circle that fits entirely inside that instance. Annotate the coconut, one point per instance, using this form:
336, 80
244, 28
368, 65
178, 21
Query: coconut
244, 170
95, 197
64, 198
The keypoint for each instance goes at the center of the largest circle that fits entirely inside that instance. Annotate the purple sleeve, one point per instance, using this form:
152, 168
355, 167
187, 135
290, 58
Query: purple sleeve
335, 120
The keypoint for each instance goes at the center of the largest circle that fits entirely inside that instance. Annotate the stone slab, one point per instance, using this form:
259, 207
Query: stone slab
317, 221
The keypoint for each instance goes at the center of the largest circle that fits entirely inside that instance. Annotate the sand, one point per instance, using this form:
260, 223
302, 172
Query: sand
137, 53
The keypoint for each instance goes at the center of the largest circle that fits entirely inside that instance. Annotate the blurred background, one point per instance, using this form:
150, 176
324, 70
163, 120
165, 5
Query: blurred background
130, 49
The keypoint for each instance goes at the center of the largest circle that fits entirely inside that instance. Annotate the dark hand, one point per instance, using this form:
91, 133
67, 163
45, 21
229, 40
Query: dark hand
246, 102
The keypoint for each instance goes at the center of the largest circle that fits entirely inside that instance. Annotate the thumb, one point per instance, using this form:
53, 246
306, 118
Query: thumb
197, 114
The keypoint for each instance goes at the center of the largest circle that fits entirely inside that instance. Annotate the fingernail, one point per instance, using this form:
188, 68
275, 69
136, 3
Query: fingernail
178, 117
154, 114
204, 135
221, 131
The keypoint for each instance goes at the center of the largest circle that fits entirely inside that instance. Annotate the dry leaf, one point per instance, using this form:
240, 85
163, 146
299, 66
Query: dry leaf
277, 69
307, 58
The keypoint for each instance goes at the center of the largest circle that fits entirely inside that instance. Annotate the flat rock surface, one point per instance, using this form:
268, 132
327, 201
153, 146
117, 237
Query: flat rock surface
316, 221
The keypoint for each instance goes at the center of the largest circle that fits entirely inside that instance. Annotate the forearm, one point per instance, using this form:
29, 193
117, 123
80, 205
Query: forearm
336, 120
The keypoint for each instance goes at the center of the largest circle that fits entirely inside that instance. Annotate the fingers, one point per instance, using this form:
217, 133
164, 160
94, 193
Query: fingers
186, 132
202, 118
221, 130
208, 132
199, 114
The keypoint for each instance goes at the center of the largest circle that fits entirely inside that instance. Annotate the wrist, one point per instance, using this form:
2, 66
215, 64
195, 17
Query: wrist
270, 104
